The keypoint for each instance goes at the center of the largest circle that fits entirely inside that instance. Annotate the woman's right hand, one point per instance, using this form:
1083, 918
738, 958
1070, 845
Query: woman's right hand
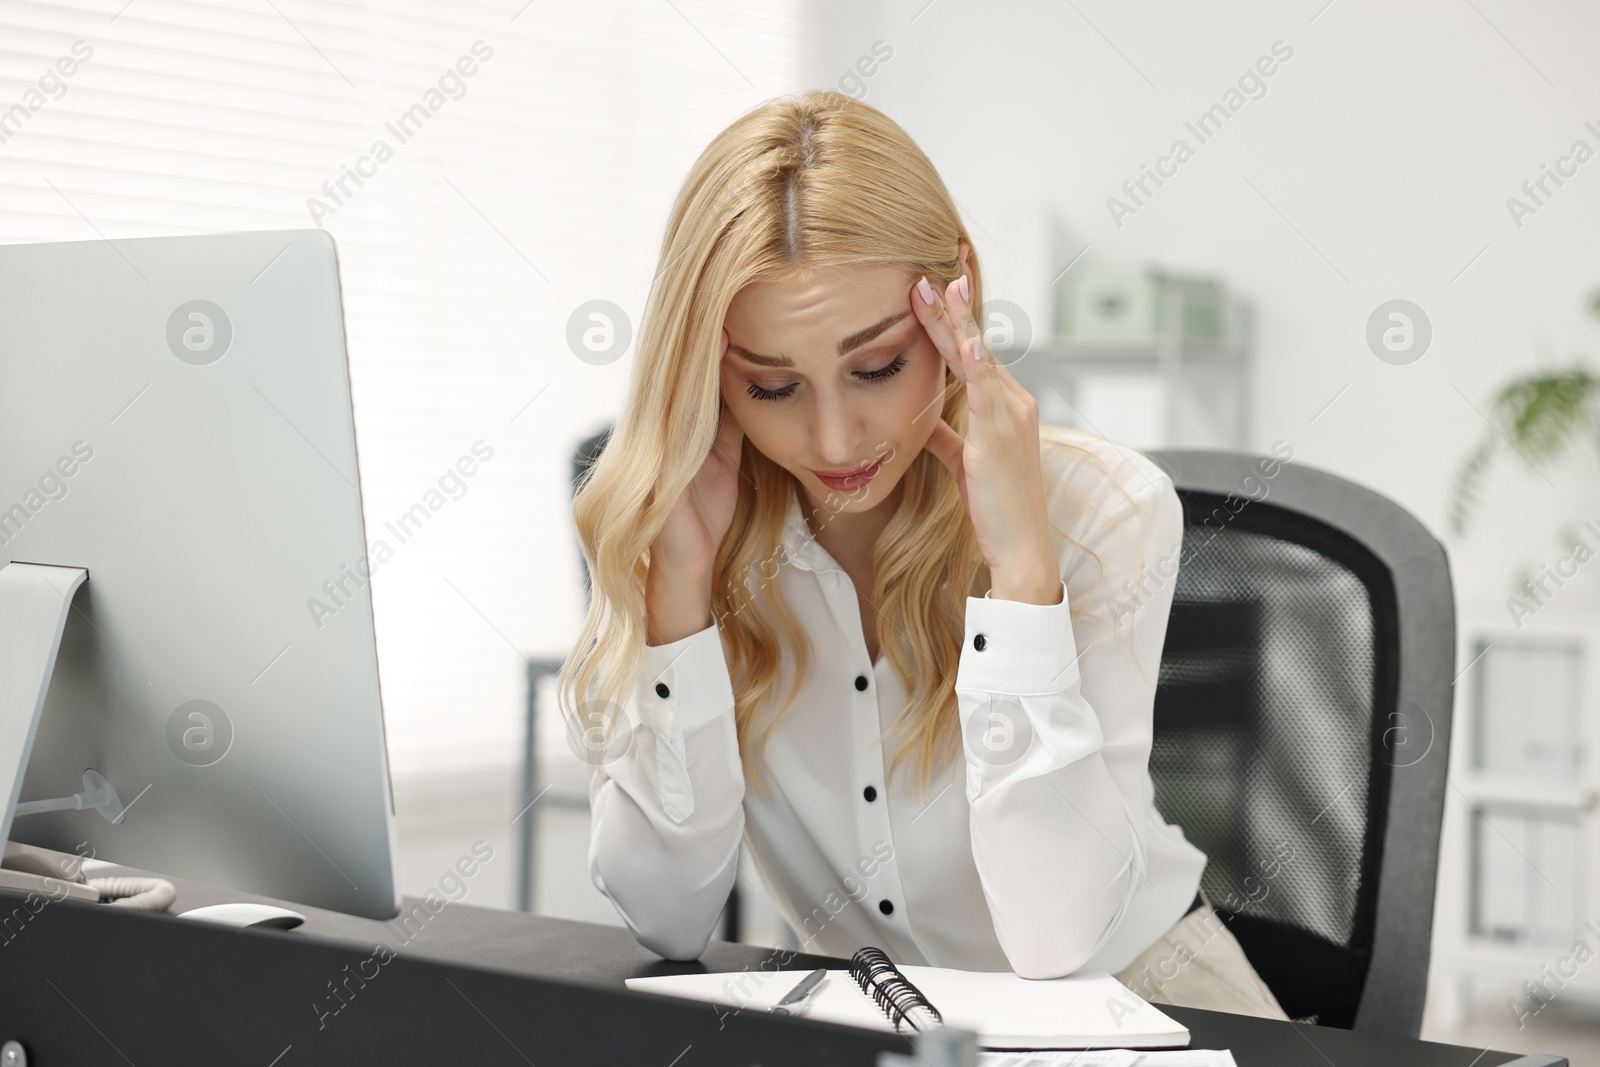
682, 555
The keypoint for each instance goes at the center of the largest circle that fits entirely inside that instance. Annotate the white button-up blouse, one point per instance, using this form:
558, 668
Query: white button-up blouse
1040, 851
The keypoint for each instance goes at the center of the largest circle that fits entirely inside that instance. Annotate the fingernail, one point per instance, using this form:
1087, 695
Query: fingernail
966, 296
925, 290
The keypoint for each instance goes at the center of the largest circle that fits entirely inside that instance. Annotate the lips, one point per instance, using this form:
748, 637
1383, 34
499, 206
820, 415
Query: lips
851, 479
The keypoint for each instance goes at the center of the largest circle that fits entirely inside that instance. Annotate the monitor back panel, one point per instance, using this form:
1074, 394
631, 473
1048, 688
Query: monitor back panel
175, 416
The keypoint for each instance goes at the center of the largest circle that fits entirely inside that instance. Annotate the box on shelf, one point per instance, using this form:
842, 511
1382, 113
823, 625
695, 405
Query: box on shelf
1122, 304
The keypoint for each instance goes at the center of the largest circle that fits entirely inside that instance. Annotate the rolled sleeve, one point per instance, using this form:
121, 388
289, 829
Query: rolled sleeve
1017, 685
1026, 649
682, 685
685, 683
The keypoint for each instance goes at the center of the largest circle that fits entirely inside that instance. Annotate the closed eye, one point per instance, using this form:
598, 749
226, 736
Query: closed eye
889, 370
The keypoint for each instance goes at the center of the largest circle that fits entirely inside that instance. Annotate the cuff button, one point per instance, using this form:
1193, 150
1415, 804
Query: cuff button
980, 642
662, 691
886, 906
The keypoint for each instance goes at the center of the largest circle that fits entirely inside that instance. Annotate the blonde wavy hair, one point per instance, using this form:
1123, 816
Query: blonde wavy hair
796, 184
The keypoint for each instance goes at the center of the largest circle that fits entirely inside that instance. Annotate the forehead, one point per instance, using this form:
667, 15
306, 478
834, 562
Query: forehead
821, 304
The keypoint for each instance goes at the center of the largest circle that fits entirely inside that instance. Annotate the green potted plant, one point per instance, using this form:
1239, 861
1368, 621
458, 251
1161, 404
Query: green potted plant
1542, 414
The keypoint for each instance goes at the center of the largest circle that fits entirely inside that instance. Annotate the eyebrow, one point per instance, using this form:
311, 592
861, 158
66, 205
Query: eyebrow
846, 346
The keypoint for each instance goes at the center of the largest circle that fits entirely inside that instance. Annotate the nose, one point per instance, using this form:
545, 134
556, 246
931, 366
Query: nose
838, 433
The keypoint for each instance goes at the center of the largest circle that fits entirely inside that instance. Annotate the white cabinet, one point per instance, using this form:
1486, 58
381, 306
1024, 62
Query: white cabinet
1518, 899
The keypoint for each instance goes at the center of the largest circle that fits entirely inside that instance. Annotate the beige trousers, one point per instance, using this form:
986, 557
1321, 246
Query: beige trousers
1199, 964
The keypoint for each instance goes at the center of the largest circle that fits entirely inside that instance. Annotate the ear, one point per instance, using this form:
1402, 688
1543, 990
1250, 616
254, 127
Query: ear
962, 251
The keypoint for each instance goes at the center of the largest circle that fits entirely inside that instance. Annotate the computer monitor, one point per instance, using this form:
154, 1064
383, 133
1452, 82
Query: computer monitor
175, 420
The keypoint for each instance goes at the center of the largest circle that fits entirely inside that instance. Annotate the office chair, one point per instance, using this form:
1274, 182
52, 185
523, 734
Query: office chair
1302, 729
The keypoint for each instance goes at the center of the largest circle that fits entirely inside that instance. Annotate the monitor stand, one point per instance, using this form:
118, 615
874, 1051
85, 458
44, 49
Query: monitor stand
34, 601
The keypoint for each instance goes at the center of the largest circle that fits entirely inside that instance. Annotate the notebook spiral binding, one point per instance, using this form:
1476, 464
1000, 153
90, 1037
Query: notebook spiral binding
880, 979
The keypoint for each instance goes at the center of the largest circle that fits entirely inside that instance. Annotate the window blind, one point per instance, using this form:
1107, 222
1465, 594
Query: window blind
532, 154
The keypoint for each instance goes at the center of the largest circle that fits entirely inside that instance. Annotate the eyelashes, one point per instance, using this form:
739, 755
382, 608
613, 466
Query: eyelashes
895, 366
889, 371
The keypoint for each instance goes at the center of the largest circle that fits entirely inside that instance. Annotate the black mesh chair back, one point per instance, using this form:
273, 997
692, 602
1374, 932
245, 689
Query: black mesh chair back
1302, 728
588, 451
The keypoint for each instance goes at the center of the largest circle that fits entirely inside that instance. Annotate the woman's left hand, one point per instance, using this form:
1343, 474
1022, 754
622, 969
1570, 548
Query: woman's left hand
996, 466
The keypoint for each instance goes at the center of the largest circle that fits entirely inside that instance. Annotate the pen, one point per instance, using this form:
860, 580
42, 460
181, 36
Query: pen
795, 998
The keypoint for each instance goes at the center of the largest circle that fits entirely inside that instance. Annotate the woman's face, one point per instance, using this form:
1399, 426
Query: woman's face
831, 372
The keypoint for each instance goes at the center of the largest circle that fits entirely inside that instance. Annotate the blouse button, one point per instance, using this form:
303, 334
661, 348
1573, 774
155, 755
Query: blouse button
870, 793
886, 906
979, 642
662, 691
861, 683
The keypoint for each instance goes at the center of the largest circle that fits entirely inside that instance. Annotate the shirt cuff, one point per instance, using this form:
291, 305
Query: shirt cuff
1017, 648
685, 683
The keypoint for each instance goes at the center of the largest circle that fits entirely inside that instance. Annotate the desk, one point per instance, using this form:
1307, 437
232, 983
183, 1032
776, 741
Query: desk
88, 983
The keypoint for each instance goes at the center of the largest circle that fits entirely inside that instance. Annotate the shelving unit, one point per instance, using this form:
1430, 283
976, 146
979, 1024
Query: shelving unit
1518, 860
1203, 391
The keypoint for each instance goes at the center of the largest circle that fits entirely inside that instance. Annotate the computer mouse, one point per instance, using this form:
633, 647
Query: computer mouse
245, 913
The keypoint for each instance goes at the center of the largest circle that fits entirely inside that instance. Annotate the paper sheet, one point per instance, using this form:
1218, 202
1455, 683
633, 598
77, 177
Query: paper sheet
1008, 1012
1109, 1058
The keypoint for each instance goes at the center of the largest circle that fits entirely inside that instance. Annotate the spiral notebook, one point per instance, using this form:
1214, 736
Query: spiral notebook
1085, 1010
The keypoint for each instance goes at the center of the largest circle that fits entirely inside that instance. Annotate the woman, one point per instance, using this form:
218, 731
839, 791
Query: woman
835, 558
